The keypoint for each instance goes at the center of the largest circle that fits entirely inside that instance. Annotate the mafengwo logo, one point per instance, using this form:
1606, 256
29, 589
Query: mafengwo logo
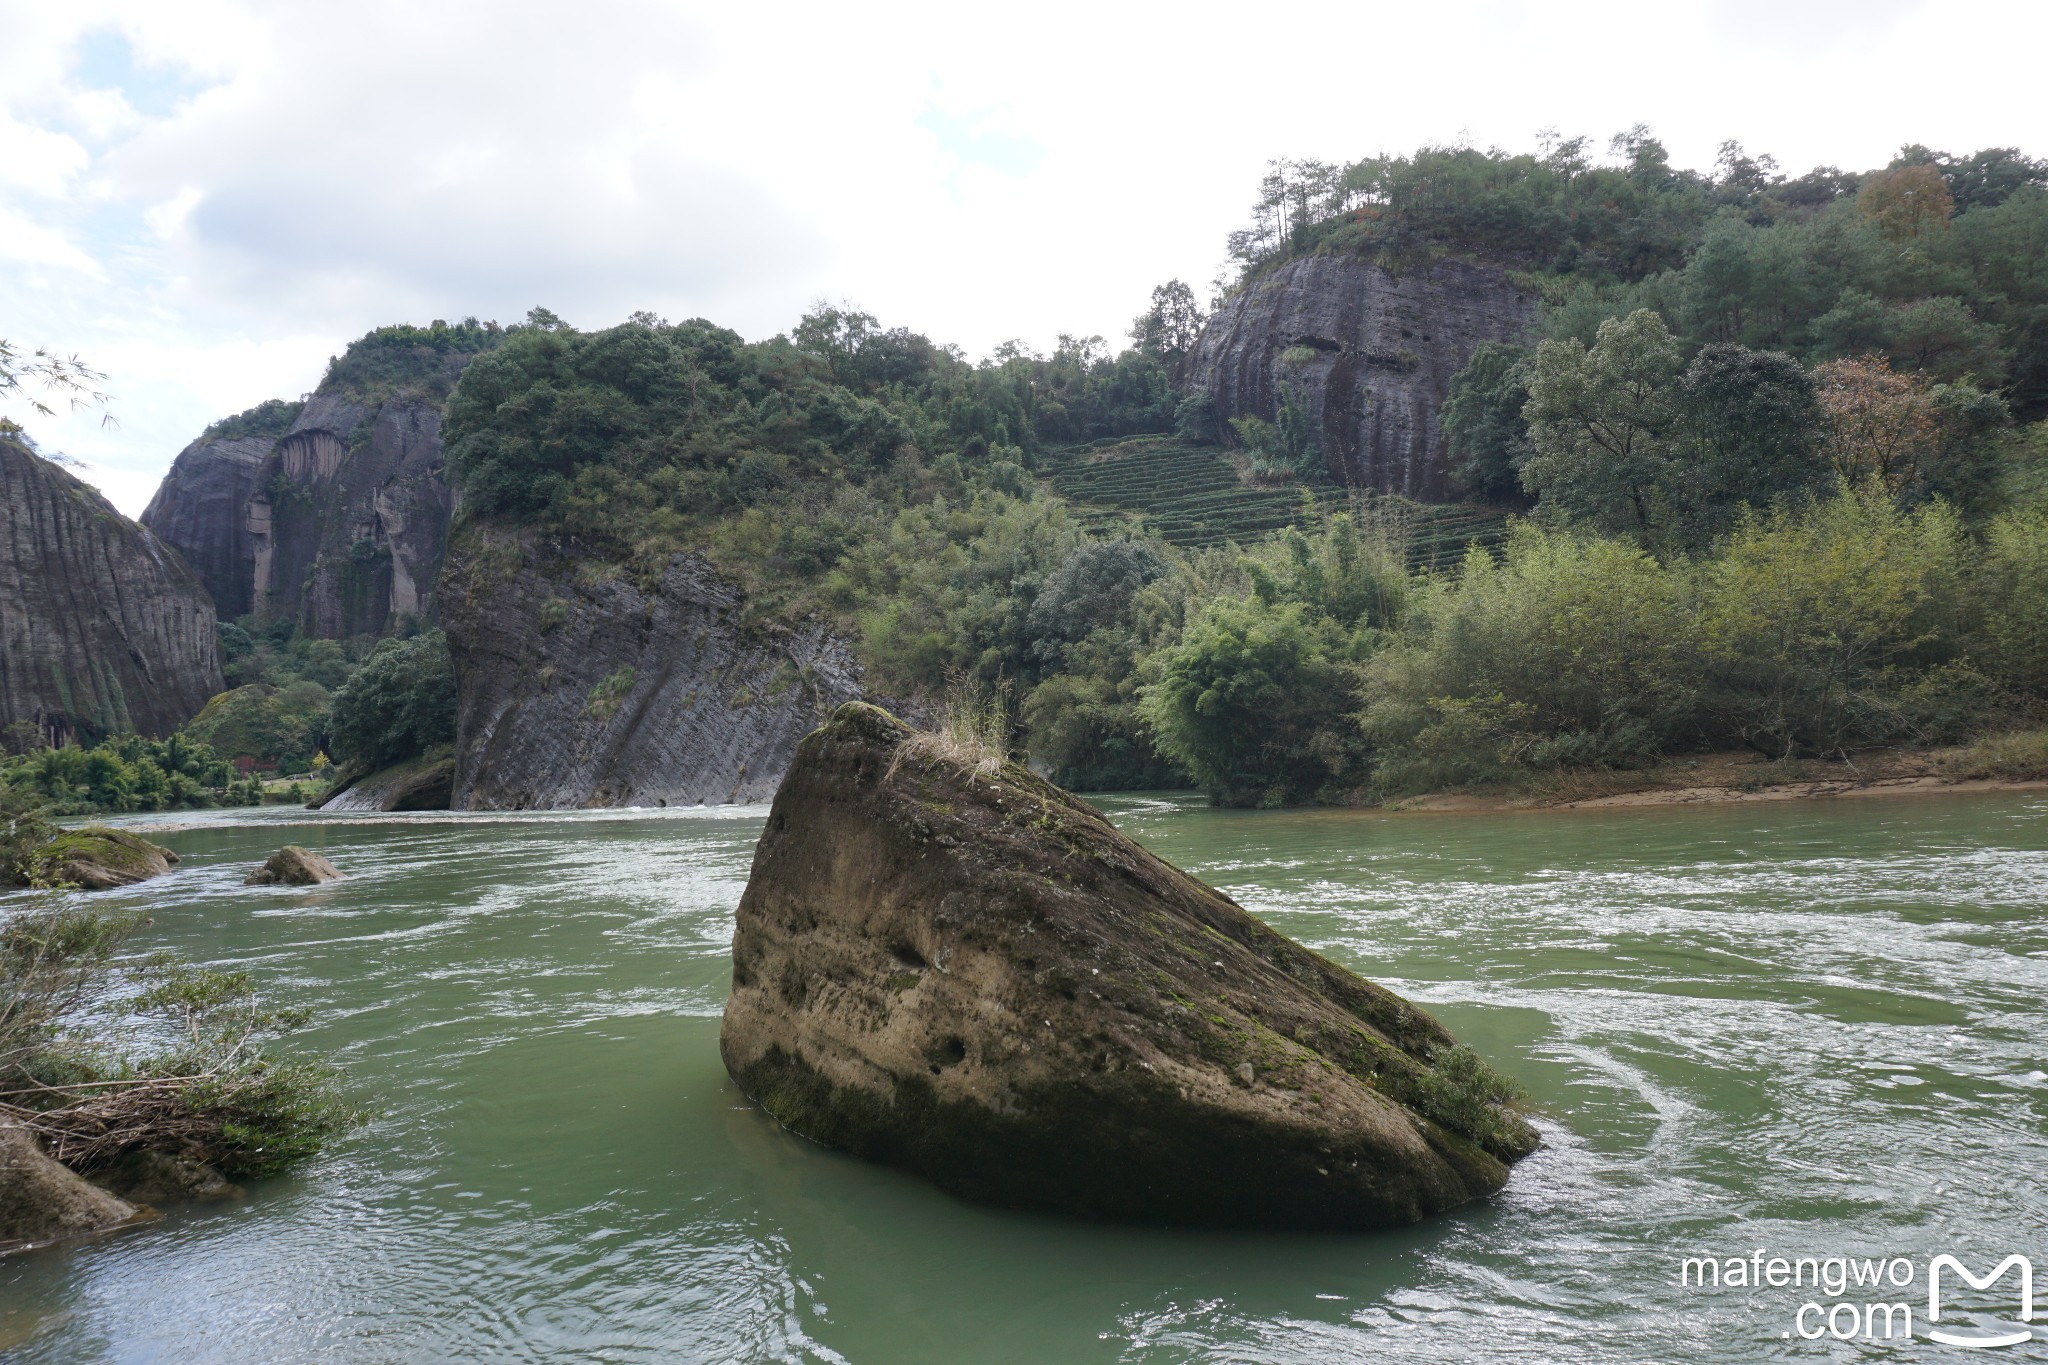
2013, 1338
1870, 1299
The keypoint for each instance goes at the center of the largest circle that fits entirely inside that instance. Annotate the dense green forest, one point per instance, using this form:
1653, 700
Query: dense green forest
119, 773
1768, 439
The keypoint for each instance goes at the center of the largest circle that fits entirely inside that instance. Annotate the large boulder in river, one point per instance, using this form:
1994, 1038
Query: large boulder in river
42, 1200
293, 866
959, 969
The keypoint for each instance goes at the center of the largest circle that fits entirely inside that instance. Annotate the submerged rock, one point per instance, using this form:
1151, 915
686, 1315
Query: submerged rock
141, 1176
970, 974
293, 866
97, 859
41, 1200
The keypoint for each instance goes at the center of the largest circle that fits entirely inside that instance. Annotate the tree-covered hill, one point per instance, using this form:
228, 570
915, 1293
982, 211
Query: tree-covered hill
1938, 263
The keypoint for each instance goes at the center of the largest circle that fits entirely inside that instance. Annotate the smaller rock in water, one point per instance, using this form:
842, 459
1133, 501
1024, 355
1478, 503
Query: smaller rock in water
41, 1200
293, 866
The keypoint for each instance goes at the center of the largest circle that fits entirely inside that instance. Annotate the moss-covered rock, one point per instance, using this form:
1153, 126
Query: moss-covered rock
96, 858
973, 975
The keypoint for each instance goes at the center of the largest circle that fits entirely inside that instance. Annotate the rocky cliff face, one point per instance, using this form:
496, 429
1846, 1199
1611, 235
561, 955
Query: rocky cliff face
949, 965
1368, 351
339, 524
578, 688
102, 627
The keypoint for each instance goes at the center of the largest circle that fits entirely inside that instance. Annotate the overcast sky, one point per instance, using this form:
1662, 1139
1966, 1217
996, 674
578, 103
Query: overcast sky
207, 198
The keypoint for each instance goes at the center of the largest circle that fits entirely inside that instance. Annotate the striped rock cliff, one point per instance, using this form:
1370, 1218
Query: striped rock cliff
103, 628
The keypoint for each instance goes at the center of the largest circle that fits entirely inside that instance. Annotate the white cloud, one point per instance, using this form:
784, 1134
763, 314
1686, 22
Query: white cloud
26, 242
37, 160
259, 182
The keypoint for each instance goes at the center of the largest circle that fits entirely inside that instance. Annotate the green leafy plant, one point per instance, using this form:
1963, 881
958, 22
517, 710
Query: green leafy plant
1459, 1090
398, 705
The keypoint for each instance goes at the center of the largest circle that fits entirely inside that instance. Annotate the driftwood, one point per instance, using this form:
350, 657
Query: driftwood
95, 1128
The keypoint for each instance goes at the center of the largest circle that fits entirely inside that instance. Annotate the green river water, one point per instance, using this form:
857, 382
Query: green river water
1812, 1028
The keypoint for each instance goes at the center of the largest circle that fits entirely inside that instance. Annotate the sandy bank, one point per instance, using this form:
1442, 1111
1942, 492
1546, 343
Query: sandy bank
1723, 779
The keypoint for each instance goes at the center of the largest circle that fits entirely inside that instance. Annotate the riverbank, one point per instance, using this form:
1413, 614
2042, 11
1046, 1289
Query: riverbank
1999, 764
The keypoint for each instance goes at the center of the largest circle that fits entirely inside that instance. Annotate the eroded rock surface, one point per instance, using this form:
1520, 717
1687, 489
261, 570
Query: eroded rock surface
973, 976
102, 627
293, 866
577, 686
1367, 350
41, 1200
426, 783
202, 509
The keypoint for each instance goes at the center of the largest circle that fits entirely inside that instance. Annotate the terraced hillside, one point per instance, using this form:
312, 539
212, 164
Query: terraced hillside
1192, 495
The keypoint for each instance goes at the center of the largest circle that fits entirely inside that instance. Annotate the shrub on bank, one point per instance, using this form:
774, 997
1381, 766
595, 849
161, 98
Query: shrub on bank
2011, 756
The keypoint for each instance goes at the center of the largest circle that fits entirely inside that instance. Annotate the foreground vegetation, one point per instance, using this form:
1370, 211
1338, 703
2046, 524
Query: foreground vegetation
103, 1056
